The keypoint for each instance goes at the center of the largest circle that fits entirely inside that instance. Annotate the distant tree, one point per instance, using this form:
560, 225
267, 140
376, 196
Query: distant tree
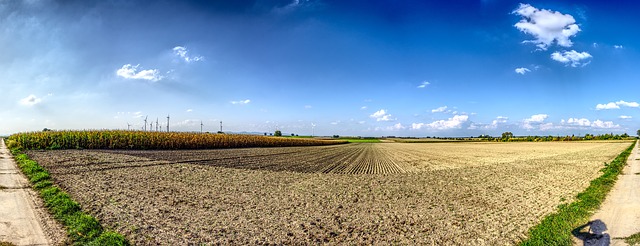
46, 130
292, 134
638, 133
278, 133
336, 136
507, 135
265, 133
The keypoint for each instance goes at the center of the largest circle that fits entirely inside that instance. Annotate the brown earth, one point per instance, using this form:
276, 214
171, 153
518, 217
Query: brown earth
446, 193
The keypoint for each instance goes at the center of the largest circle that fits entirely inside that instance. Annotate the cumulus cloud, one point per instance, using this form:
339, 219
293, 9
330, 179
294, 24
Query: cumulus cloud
628, 104
610, 105
439, 110
500, 120
604, 124
585, 123
522, 70
189, 110
452, 123
535, 121
129, 71
182, 53
424, 84
616, 105
546, 26
246, 101
381, 115
572, 56
30, 100
618, 47
625, 117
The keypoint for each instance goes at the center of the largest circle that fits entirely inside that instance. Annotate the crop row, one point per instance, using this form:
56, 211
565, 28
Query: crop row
119, 139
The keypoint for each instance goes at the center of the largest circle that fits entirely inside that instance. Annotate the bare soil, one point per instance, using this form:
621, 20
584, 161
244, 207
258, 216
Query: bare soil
386, 193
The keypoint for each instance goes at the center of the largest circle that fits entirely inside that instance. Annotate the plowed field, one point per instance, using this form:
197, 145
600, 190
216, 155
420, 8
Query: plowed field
383, 193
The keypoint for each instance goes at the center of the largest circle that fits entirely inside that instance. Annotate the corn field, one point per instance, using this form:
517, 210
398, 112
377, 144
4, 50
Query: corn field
120, 139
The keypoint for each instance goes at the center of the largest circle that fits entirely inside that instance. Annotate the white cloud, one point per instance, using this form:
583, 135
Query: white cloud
363, 107
573, 57
247, 101
534, 121
30, 100
628, 104
522, 70
585, 123
424, 84
129, 71
439, 110
189, 110
396, 127
616, 105
417, 126
625, 117
452, 123
546, 26
610, 105
618, 46
604, 124
455, 122
182, 53
381, 115
307, 106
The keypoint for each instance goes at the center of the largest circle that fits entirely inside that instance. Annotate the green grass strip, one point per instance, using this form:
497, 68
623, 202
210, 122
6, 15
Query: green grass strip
555, 228
82, 229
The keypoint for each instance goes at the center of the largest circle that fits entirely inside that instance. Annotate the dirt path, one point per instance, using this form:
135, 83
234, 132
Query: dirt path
18, 221
621, 209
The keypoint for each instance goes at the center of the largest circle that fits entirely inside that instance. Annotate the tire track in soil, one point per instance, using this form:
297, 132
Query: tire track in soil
355, 158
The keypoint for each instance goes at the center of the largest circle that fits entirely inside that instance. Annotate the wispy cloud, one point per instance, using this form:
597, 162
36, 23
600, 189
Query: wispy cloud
182, 53
625, 117
522, 70
30, 100
381, 115
189, 110
241, 102
573, 57
616, 105
546, 26
439, 110
424, 84
129, 71
618, 47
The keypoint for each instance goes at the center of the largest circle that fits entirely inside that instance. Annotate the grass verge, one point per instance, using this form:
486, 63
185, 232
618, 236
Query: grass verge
82, 229
633, 239
555, 228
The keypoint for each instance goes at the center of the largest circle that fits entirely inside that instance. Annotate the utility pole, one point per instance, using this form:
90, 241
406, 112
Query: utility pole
167, 123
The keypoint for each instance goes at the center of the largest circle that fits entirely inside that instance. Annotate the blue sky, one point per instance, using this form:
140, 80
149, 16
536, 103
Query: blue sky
362, 68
